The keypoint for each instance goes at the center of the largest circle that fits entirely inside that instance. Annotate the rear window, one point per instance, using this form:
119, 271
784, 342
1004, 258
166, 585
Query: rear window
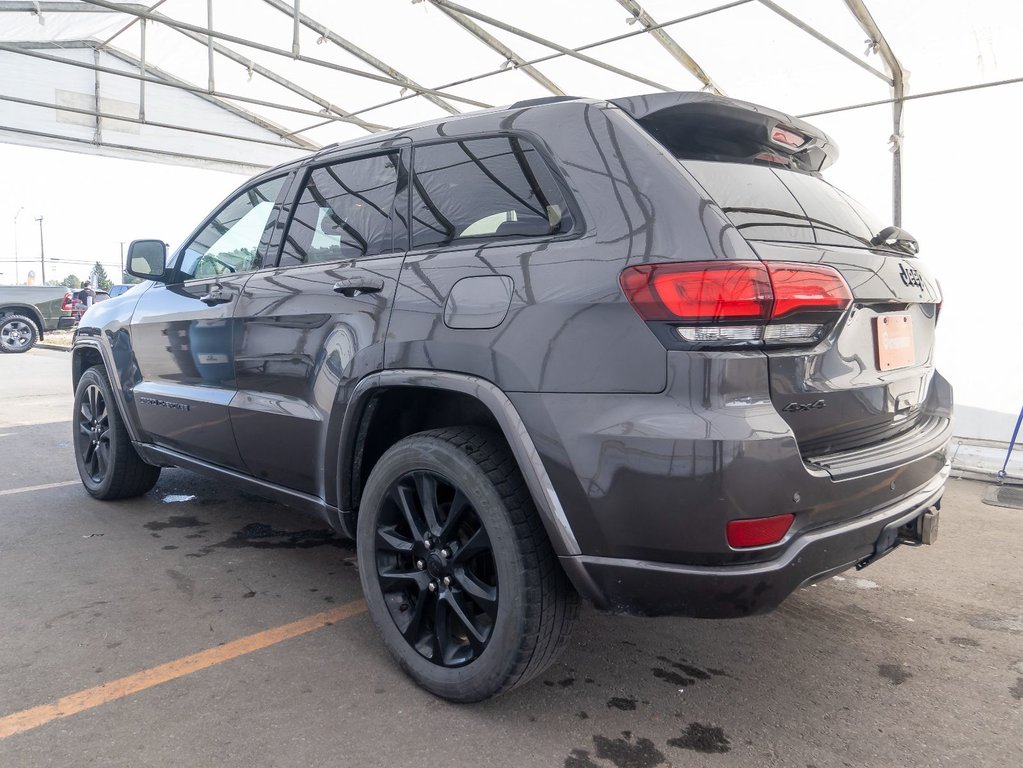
788, 206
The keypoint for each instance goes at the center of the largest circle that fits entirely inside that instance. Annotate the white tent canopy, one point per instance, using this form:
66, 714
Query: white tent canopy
248, 84
243, 85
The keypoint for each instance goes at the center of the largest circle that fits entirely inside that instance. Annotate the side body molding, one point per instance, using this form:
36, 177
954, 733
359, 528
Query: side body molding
539, 483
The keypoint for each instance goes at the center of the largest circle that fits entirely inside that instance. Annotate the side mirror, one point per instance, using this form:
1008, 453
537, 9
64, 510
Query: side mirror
147, 259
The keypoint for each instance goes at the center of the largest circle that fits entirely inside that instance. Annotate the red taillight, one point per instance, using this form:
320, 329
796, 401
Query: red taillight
700, 292
758, 531
68, 304
739, 302
807, 287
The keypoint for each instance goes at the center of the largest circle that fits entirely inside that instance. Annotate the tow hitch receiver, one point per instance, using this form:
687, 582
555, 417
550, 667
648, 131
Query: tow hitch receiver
922, 529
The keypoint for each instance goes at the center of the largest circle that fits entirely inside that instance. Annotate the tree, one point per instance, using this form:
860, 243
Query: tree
101, 281
71, 281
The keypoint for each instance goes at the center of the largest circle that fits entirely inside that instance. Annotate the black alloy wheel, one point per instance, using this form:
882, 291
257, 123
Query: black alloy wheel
108, 463
94, 434
458, 573
436, 568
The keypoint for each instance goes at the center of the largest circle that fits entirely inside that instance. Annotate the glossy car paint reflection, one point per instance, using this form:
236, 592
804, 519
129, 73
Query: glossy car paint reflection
185, 355
301, 348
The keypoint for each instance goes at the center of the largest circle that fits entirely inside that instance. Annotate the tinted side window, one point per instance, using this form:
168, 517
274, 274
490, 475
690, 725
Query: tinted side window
344, 211
482, 188
230, 242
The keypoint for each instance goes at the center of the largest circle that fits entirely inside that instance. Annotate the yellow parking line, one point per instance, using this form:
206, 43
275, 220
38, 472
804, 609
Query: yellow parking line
28, 719
30, 488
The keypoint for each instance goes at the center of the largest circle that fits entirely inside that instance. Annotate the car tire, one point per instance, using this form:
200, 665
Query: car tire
108, 463
502, 576
18, 333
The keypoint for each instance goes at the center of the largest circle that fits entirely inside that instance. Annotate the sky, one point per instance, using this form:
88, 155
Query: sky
961, 177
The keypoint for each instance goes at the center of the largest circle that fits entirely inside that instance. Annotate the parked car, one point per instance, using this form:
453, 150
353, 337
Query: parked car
79, 306
28, 311
637, 351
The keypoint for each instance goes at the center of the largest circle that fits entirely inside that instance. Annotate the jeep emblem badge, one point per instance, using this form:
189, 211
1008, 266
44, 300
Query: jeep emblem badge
910, 275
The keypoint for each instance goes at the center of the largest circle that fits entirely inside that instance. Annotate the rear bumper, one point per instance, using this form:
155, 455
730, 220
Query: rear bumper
659, 589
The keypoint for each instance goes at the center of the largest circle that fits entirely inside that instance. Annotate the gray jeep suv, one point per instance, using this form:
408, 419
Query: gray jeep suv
637, 351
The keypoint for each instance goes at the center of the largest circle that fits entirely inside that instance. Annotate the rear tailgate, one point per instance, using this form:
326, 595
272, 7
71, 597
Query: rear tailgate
868, 381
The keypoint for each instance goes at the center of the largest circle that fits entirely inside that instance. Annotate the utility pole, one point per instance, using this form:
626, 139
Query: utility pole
16, 243
120, 278
42, 253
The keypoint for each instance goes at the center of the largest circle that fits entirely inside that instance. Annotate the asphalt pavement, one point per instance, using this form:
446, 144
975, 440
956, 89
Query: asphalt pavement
203, 626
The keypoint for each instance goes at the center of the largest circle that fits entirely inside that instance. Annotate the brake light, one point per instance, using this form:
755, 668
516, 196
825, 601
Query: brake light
786, 137
807, 287
739, 302
699, 292
758, 531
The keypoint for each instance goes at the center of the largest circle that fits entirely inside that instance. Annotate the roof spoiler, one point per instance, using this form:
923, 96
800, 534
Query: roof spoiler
702, 126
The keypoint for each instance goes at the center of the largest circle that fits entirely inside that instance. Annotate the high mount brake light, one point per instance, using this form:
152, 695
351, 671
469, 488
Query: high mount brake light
739, 302
787, 138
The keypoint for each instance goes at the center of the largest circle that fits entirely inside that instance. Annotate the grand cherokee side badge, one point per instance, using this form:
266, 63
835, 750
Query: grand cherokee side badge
814, 406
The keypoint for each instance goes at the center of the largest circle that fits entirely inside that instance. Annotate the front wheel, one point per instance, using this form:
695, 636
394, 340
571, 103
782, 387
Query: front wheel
108, 463
458, 573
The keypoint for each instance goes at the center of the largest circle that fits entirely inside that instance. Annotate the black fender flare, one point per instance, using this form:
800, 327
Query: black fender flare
552, 514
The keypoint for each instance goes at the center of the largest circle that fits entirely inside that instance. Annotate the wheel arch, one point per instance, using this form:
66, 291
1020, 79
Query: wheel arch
26, 310
389, 405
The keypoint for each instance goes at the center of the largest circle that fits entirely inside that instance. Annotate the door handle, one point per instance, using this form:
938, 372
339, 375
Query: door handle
216, 296
356, 286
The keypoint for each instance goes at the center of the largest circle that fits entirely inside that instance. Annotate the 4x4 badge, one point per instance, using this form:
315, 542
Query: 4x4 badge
910, 275
814, 406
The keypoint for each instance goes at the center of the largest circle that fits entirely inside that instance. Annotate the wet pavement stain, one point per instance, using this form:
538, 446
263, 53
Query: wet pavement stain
169, 546
689, 669
182, 582
175, 521
582, 715
672, 677
263, 536
622, 703
567, 682
1017, 689
580, 758
709, 739
964, 642
894, 673
626, 753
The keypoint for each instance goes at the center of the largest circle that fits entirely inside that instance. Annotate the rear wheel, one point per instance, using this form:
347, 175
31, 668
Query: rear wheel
457, 570
108, 464
17, 333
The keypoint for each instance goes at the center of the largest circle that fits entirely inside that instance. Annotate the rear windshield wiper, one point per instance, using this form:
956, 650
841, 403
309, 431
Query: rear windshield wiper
896, 237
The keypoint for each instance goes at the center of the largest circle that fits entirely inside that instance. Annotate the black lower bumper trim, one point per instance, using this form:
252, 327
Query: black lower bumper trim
666, 589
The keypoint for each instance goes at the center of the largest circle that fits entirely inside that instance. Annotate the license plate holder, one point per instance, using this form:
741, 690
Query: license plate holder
893, 341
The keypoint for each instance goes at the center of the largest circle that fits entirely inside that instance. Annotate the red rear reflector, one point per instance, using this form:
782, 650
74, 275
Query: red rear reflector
807, 287
789, 138
700, 292
758, 531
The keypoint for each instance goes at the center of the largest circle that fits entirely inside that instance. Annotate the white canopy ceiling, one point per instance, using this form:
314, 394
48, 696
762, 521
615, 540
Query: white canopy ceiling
247, 84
